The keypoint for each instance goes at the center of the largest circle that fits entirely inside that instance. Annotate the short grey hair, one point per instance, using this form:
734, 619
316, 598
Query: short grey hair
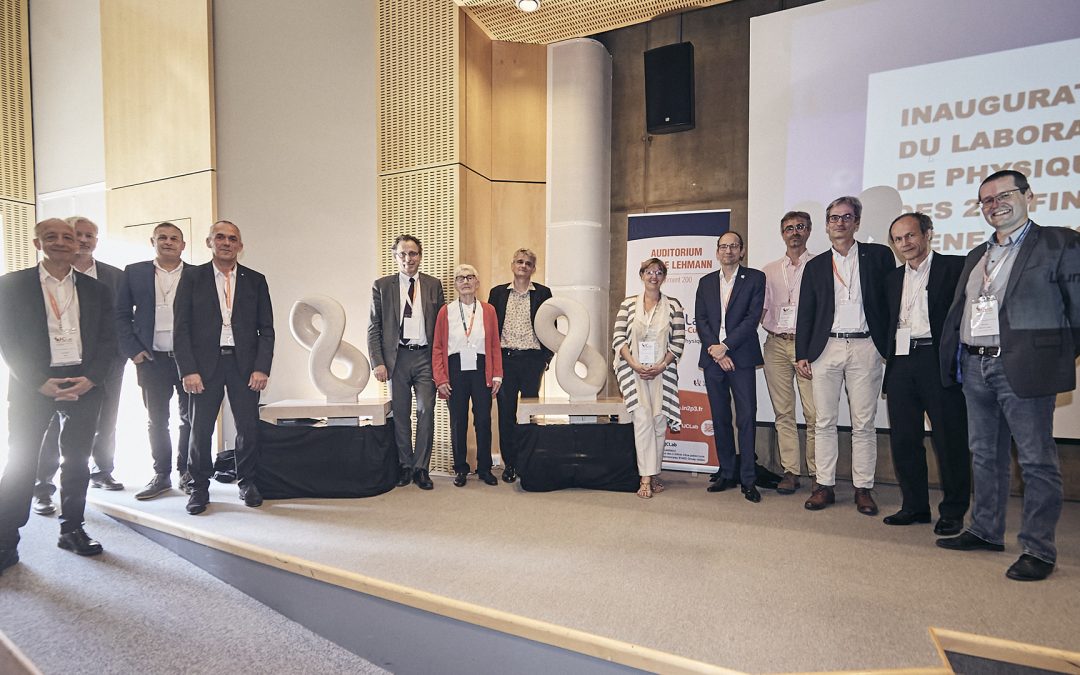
525, 252
75, 220
464, 269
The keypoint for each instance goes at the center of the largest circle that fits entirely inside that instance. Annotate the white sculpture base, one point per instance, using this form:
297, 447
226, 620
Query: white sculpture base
603, 406
375, 408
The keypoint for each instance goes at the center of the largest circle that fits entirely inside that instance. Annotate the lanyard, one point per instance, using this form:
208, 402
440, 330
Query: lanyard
166, 292
468, 328
59, 312
784, 264
851, 277
912, 289
988, 277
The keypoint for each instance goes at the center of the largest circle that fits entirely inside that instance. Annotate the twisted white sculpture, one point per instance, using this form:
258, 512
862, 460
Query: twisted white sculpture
327, 345
571, 348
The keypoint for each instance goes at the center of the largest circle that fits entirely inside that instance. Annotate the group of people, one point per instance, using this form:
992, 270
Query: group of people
979, 345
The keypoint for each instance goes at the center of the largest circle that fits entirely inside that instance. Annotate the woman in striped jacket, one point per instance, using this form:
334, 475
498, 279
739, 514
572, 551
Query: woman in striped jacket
649, 334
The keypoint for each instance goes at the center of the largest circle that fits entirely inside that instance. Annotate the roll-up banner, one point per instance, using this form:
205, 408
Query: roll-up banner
686, 242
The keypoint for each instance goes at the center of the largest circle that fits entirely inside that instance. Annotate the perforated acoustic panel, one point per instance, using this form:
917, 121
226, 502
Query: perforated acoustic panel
16, 158
17, 221
417, 84
563, 19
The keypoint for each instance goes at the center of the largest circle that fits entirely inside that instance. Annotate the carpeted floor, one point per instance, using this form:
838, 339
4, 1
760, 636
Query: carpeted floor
139, 608
762, 588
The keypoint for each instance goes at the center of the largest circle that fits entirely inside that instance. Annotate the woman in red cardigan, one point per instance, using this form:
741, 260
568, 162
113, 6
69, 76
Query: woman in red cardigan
466, 361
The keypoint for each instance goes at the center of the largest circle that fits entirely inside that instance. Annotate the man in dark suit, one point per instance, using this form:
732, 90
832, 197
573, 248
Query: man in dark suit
144, 314
104, 450
728, 308
524, 358
223, 337
840, 341
58, 339
401, 330
1012, 337
919, 294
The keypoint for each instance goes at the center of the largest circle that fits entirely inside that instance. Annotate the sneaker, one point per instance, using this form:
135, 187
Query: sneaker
185, 482
158, 486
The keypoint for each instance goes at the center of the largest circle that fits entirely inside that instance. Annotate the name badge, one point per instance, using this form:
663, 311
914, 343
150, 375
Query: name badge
984, 316
412, 328
847, 316
903, 340
786, 320
64, 350
468, 357
163, 318
646, 352
227, 336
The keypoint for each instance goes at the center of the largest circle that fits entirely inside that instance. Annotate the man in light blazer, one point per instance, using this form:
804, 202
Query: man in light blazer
223, 337
144, 316
1012, 337
58, 338
103, 453
919, 294
728, 309
840, 341
401, 331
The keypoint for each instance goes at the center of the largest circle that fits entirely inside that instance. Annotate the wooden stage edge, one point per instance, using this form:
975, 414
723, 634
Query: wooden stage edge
607, 649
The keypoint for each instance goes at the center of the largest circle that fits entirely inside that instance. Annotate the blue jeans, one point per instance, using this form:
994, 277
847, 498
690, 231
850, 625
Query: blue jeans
995, 416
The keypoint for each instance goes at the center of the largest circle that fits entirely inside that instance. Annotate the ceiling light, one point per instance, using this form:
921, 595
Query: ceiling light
528, 5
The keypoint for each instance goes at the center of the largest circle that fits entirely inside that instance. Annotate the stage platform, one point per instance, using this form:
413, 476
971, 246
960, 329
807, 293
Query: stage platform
685, 582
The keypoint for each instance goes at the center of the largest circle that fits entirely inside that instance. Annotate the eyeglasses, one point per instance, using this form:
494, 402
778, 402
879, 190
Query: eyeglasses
407, 255
653, 273
525, 261
728, 247
846, 218
466, 277
989, 202
797, 227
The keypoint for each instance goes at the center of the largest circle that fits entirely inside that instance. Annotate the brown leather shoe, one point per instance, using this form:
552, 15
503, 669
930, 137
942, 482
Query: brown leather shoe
865, 502
822, 497
788, 484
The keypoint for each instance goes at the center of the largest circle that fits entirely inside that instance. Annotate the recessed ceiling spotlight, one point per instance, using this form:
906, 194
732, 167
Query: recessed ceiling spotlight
528, 5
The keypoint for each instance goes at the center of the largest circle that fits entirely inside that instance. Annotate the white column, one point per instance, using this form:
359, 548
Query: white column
577, 260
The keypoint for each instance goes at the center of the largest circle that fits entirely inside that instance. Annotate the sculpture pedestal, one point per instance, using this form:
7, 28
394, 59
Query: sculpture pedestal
374, 408
591, 456
604, 406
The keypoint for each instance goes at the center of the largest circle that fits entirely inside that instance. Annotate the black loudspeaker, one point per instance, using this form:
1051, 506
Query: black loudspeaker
669, 88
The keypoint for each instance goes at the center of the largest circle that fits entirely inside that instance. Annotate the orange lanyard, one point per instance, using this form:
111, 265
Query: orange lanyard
57, 311
472, 319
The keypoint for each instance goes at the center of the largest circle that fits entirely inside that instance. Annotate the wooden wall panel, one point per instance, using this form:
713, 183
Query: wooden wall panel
519, 112
16, 130
475, 227
477, 95
157, 75
189, 201
517, 221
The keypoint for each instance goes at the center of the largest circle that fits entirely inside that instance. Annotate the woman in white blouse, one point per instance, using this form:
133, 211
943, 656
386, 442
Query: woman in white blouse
466, 362
649, 334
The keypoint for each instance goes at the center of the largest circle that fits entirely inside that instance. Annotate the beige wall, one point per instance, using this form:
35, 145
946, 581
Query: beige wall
295, 91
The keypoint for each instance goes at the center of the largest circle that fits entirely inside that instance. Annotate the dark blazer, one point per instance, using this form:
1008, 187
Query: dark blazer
111, 277
384, 329
940, 288
1039, 315
817, 301
197, 322
498, 295
24, 331
136, 302
745, 306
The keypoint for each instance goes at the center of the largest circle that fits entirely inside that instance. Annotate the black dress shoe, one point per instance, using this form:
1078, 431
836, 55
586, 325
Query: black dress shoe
225, 476
185, 482
751, 494
422, 480
722, 484
78, 541
947, 527
1029, 568
488, 478
906, 518
160, 484
197, 502
44, 506
459, 478
249, 494
404, 476
8, 557
105, 481
509, 474
968, 542
713, 477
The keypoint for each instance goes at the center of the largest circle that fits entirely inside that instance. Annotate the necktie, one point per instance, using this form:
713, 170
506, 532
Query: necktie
407, 314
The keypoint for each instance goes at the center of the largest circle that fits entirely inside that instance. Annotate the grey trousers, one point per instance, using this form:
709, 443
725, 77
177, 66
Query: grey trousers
412, 372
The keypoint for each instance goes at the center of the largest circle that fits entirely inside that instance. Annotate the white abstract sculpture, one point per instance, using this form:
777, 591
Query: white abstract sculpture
571, 347
327, 345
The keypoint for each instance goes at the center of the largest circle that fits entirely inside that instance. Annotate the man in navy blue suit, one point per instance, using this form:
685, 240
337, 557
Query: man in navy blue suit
144, 315
728, 309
